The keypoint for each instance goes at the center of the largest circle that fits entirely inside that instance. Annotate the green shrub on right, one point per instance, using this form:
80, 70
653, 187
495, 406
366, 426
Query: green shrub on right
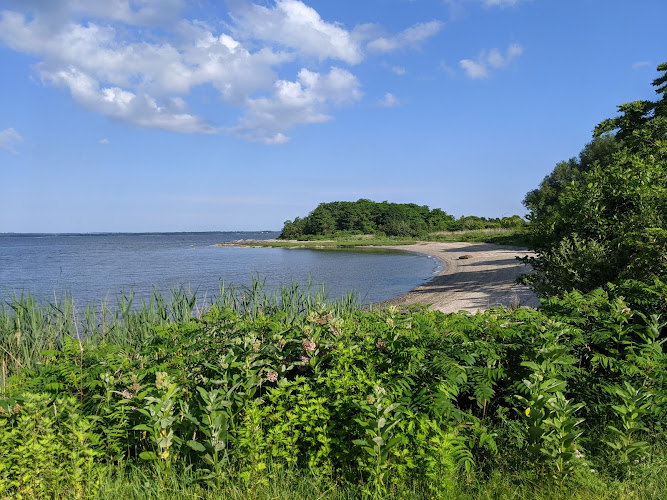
605, 219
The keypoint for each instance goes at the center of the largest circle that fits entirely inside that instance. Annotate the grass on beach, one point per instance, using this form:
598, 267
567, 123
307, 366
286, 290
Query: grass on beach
514, 236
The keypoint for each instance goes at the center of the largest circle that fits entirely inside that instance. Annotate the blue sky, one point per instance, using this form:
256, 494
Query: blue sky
175, 115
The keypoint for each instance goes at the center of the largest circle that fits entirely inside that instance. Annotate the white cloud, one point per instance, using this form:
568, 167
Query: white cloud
640, 64
479, 68
389, 100
474, 70
301, 102
118, 104
408, 38
104, 142
398, 70
113, 60
9, 138
295, 25
497, 60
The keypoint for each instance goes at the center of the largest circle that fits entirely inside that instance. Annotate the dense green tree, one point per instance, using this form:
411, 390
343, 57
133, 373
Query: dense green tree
541, 201
439, 220
368, 217
390, 219
609, 222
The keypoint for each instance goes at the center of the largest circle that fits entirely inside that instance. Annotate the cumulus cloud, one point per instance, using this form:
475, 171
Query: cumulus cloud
389, 100
9, 138
300, 102
493, 59
118, 104
104, 142
408, 38
295, 25
138, 61
398, 70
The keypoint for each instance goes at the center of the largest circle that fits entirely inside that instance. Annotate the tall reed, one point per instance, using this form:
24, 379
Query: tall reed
28, 326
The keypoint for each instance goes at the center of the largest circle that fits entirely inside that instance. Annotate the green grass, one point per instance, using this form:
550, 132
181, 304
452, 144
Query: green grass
515, 236
132, 482
29, 326
346, 242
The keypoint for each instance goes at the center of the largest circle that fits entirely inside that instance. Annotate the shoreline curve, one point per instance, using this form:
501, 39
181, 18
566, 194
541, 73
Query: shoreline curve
475, 277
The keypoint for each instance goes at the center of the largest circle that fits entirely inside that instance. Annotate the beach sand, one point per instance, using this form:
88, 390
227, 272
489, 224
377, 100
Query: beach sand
484, 278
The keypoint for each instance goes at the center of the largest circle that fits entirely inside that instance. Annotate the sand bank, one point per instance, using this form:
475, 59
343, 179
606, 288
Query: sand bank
483, 278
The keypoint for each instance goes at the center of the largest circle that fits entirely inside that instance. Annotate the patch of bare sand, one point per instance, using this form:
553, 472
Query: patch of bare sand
485, 279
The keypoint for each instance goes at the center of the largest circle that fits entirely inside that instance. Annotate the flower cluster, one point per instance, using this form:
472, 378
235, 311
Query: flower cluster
309, 345
272, 376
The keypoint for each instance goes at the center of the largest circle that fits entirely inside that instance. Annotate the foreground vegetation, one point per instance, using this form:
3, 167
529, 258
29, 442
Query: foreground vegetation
281, 395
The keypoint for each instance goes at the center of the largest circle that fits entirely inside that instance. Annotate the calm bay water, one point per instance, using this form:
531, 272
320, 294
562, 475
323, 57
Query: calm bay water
95, 267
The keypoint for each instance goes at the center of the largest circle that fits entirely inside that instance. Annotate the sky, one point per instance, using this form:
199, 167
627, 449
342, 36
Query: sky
213, 115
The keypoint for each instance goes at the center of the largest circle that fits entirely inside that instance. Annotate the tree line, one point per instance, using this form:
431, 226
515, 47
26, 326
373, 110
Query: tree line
600, 220
340, 218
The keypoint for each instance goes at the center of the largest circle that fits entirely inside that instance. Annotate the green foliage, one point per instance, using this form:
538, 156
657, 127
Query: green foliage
605, 221
367, 217
243, 398
343, 220
377, 418
634, 406
542, 201
517, 236
47, 445
549, 415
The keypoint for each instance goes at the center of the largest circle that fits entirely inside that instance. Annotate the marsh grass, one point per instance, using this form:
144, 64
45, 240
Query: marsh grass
499, 236
496, 236
345, 242
30, 327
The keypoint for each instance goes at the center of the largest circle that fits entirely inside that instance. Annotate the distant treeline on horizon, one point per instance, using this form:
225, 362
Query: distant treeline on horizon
388, 219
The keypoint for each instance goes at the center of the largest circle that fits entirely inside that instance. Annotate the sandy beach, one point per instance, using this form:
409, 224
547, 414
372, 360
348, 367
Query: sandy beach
475, 276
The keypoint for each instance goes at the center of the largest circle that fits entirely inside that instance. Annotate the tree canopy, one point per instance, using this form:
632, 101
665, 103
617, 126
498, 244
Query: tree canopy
390, 219
603, 217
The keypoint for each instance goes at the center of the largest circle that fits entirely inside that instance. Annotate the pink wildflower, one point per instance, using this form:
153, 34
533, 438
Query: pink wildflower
272, 376
309, 345
381, 346
305, 359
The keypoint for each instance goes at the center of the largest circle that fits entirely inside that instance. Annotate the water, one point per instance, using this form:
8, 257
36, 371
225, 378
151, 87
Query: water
95, 267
